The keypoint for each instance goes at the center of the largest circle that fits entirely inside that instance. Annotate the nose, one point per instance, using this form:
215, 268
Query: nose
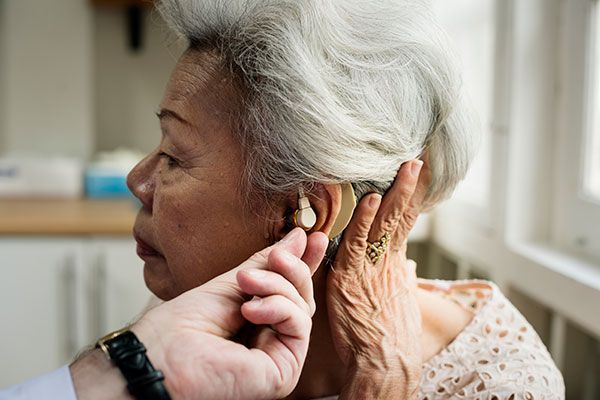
141, 180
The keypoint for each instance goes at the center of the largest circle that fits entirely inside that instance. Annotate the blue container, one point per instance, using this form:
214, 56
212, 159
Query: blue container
100, 184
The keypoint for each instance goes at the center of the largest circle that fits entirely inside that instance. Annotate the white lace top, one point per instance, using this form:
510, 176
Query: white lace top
498, 356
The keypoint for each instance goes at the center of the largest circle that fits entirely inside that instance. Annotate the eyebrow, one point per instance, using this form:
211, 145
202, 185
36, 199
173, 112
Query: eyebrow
165, 113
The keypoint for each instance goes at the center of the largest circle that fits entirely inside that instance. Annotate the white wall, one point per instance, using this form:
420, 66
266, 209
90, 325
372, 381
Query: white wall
70, 84
128, 85
46, 76
2, 72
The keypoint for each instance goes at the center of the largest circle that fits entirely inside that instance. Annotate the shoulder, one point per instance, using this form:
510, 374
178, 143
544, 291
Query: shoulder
497, 354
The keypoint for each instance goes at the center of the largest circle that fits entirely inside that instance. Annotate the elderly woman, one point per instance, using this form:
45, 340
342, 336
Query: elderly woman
283, 113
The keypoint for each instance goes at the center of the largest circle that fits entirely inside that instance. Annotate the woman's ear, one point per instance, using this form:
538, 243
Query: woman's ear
325, 200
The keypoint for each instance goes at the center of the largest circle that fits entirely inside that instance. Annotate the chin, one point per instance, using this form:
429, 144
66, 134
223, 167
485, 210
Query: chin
161, 286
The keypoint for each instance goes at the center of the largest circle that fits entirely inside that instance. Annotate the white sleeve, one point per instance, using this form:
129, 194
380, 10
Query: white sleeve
54, 385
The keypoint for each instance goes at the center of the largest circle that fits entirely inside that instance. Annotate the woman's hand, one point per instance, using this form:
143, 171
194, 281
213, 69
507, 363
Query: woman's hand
373, 311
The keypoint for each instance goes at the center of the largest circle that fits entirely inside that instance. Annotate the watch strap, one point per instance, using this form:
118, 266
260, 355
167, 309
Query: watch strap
129, 354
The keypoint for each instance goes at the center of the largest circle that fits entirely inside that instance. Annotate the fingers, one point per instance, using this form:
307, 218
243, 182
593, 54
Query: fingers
290, 276
354, 243
415, 205
284, 344
396, 201
311, 249
263, 283
295, 242
296, 272
315, 250
282, 314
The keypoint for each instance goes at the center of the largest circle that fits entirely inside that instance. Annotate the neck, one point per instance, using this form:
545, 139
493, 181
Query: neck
323, 373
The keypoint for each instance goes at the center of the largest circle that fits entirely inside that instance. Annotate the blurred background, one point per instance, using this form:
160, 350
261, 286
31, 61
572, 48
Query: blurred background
80, 81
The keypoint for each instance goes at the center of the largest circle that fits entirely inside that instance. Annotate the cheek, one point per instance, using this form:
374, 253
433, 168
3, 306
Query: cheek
202, 229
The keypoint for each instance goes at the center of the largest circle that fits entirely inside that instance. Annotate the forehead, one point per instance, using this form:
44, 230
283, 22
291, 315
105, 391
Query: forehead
200, 84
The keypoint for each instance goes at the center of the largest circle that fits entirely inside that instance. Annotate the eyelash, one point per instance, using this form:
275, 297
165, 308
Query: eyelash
171, 162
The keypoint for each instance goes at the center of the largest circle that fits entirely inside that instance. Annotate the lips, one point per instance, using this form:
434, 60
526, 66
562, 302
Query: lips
144, 250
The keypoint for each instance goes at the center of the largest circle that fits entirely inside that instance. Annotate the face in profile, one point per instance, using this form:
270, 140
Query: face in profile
193, 224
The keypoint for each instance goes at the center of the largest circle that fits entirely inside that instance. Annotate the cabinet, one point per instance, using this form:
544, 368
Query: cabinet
58, 295
118, 282
38, 306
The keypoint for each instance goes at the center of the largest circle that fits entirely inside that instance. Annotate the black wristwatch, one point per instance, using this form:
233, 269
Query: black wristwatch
129, 354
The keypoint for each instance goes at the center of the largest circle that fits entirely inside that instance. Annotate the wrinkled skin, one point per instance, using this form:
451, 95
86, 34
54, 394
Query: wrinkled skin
194, 218
194, 225
374, 314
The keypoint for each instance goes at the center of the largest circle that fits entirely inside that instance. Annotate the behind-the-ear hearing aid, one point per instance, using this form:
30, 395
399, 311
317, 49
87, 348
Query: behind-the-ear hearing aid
348, 204
305, 216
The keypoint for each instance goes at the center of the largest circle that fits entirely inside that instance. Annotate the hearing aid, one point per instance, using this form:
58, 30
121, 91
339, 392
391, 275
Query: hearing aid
305, 217
348, 204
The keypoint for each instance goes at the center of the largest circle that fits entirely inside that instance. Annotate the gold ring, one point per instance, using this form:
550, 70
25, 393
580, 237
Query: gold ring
376, 249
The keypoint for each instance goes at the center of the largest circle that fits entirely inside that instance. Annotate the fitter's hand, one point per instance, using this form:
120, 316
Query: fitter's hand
191, 338
373, 311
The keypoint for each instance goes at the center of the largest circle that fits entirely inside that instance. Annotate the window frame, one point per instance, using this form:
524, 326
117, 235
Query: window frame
488, 219
519, 252
577, 214
478, 206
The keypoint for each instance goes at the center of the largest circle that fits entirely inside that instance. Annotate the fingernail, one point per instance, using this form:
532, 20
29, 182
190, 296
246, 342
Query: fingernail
415, 167
256, 301
256, 273
374, 200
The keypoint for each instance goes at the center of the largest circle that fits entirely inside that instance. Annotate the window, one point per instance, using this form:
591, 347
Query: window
577, 208
592, 168
471, 27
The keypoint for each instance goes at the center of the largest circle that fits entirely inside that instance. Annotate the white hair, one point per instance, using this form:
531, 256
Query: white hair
337, 90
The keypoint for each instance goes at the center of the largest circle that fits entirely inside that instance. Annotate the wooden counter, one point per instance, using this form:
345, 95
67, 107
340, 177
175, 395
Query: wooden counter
67, 217
94, 217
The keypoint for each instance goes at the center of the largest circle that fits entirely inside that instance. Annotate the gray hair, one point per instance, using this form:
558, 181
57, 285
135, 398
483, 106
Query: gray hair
337, 90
